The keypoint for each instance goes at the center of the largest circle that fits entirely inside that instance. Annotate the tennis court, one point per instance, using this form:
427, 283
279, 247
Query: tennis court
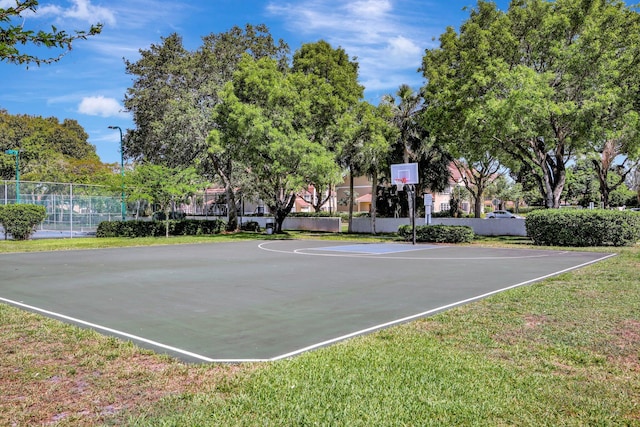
264, 300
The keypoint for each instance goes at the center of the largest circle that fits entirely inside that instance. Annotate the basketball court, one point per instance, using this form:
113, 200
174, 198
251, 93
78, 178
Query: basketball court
264, 300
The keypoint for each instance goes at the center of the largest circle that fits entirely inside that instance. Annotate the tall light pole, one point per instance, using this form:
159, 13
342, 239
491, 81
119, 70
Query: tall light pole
122, 206
17, 154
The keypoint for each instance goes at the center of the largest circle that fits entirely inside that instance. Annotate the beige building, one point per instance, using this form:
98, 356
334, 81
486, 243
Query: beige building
214, 201
362, 189
362, 194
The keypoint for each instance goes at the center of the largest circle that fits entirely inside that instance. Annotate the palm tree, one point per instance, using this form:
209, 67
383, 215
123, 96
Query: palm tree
405, 106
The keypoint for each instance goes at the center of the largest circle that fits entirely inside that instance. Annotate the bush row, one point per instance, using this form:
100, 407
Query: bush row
250, 226
438, 233
186, 227
20, 221
583, 227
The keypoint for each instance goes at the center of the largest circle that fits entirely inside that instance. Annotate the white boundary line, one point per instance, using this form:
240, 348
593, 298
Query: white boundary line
109, 330
304, 349
428, 312
310, 252
405, 248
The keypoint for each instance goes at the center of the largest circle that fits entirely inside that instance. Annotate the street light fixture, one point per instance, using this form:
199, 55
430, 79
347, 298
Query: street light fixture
122, 206
17, 154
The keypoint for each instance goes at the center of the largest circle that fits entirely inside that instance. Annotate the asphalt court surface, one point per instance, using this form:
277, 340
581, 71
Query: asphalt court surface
264, 300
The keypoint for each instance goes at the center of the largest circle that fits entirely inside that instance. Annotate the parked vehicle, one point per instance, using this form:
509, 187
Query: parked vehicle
502, 214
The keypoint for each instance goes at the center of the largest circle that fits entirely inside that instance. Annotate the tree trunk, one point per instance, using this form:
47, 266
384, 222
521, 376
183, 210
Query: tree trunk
223, 169
279, 217
320, 199
477, 205
553, 175
552, 185
479, 197
166, 222
280, 209
350, 201
601, 173
232, 214
557, 191
374, 197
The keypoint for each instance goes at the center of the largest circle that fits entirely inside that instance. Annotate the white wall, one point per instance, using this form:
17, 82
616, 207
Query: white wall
482, 227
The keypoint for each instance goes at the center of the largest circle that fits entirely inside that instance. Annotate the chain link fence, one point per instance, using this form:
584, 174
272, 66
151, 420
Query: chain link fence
77, 209
72, 209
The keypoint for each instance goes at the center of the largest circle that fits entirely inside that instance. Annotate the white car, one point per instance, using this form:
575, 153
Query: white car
502, 214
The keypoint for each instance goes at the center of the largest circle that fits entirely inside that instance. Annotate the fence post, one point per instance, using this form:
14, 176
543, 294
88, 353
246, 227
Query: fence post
71, 210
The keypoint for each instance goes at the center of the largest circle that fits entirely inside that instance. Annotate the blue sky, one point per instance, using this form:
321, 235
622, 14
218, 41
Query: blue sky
388, 37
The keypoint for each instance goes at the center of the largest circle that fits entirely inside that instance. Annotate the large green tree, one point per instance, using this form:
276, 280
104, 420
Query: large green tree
534, 84
332, 84
173, 96
264, 122
17, 41
50, 150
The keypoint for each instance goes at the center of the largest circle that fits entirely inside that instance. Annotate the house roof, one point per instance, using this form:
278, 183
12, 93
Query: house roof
456, 176
364, 199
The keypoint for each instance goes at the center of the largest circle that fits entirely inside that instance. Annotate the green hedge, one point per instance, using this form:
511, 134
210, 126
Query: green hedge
187, 227
20, 221
322, 214
250, 226
559, 227
438, 233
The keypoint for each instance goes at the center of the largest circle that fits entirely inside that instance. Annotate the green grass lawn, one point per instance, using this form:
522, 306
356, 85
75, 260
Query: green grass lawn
565, 351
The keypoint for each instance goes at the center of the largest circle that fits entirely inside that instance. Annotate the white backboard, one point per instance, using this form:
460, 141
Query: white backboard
404, 173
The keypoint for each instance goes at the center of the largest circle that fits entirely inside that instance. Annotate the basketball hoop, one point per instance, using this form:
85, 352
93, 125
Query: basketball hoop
404, 173
400, 181
405, 176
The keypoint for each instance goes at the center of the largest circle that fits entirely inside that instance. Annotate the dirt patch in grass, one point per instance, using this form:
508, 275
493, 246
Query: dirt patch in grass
626, 341
53, 374
535, 320
531, 330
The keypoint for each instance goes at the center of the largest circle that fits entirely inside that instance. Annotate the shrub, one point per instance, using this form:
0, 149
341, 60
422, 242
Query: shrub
560, 227
321, 214
250, 226
188, 227
527, 209
21, 220
195, 227
161, 216
438, 233
441, 214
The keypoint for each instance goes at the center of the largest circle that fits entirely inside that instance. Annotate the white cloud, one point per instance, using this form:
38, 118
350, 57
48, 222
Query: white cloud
48, 10
369, 8
101, 106
387, 43
81, 10
401, 47
85, 11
